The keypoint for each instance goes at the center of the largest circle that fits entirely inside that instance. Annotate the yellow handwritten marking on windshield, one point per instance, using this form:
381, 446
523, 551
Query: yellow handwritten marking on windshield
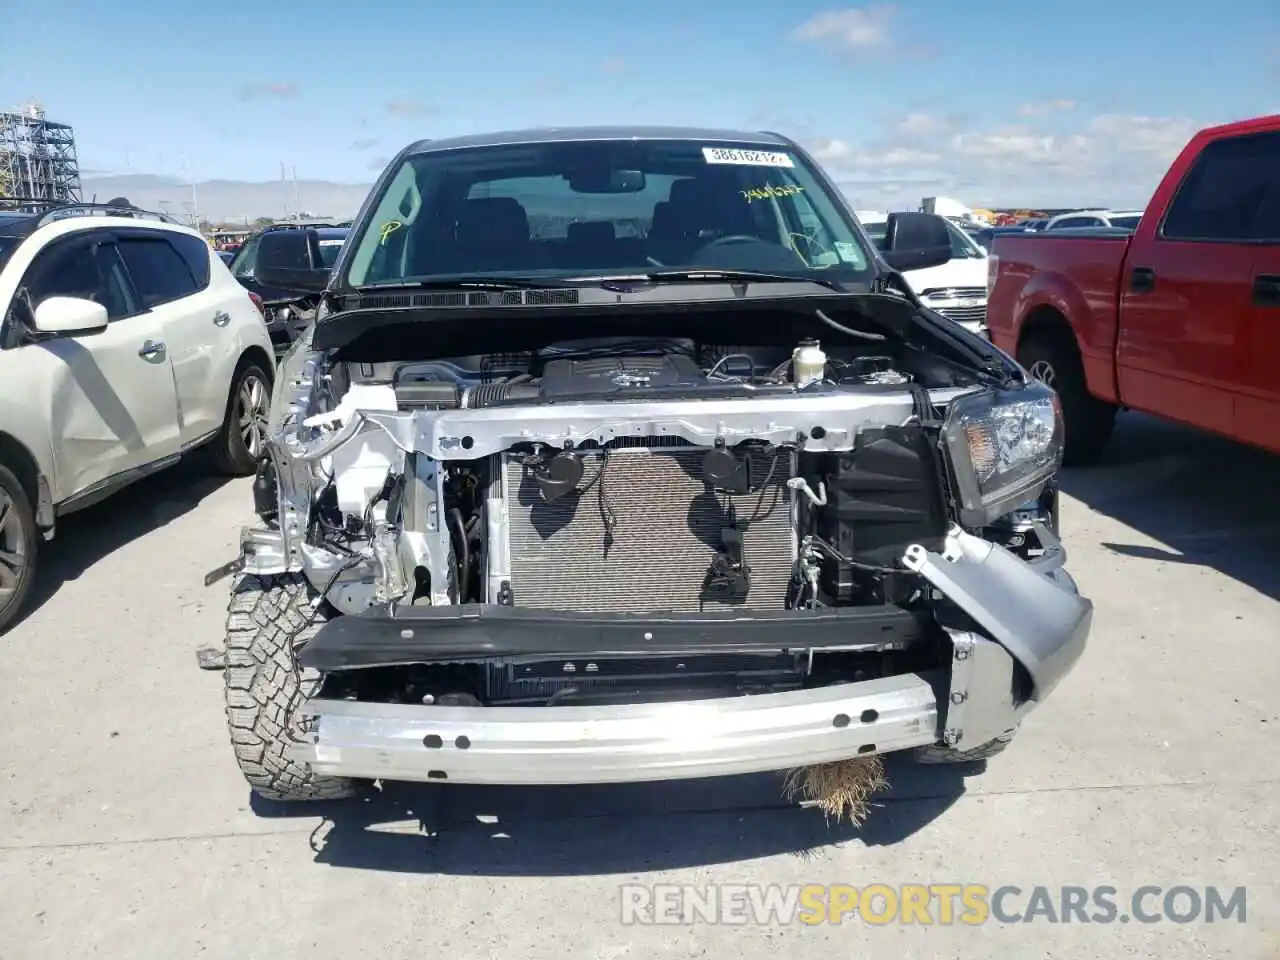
388, 228
796, 241
770, 190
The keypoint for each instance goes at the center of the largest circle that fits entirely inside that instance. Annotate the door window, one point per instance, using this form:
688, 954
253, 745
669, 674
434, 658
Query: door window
84, 269
159, 273
1231, 183
1266, 224
196, 254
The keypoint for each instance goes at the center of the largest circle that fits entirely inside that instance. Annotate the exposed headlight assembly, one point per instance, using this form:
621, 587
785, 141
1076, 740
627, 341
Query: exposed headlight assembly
1004, 445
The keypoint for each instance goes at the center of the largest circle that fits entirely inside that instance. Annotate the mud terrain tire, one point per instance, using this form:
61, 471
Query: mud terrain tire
267, 618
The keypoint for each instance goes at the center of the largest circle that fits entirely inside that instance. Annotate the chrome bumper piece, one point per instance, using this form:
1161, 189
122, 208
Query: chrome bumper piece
631, 743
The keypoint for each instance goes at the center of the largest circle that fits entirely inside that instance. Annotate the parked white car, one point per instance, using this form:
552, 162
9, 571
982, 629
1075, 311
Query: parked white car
125, 344
1124, 219
956, 289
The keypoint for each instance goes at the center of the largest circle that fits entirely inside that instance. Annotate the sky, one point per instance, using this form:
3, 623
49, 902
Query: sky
994, 102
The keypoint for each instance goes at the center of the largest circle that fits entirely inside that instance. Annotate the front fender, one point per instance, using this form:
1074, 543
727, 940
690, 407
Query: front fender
21, 423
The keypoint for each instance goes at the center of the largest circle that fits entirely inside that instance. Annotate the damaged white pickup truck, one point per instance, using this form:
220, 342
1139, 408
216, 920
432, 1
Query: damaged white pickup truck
623, 455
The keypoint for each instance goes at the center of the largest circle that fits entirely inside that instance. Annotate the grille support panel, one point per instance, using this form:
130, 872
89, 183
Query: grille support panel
666, 530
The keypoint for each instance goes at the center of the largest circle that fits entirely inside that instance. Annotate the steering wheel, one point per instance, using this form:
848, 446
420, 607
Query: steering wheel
732, 239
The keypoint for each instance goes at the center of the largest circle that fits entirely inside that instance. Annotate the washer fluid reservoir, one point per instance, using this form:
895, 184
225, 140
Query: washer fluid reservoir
808, 363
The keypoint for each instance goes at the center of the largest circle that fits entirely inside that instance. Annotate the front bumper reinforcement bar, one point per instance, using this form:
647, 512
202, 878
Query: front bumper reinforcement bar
630, 743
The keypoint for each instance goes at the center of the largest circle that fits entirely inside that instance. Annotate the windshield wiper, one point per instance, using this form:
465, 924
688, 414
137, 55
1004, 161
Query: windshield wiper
469, 282
716, 275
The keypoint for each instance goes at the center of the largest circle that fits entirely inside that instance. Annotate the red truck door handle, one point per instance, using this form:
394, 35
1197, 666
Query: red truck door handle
1266, 290
1142, 280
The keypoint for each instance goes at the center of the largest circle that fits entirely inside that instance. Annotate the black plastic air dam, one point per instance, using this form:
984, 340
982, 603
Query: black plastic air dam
473, 632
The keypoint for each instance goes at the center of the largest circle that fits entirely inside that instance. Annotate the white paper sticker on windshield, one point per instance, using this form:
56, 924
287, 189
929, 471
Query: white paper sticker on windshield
846, 251
747, 158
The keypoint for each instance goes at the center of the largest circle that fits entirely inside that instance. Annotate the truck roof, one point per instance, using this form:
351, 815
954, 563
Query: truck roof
1238, 127
569, 134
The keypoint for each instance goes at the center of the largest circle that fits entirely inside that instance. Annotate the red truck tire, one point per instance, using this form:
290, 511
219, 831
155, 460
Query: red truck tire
1053, 359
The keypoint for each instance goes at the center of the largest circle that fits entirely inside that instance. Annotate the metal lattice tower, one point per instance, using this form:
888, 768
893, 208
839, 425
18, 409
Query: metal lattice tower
37, 157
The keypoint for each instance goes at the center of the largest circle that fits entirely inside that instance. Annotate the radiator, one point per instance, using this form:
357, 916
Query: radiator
666, 529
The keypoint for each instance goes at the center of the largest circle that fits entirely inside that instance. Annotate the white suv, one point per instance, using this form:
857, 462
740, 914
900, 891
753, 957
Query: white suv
124, 344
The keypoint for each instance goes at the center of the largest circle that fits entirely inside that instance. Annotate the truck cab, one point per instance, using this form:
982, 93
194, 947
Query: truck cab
1179, 318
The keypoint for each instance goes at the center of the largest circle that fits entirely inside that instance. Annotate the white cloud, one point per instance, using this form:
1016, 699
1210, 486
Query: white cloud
857, 29
923, 124
1164, 136
1042, 108
832, 151
1109, 159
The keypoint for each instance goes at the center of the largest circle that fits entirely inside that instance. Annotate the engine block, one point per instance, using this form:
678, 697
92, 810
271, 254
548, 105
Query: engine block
644, 532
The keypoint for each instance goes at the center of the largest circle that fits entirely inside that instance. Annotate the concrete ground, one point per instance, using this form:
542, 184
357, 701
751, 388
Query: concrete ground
126, 830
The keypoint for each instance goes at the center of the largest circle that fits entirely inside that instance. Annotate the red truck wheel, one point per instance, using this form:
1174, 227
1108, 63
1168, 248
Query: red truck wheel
1088, 421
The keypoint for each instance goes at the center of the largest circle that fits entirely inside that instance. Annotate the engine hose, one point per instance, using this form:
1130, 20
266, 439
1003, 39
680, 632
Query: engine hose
493, 394
464, 553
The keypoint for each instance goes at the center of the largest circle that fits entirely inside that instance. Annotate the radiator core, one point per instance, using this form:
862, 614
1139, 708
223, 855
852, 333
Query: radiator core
667, 528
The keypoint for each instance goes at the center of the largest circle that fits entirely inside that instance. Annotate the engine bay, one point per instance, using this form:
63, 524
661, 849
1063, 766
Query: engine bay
635, 476
631, 369
667, 510
652, 522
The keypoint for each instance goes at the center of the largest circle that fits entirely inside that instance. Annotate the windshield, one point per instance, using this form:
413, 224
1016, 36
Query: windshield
963, 246
242, 265
1127, 222
877, 230
592, 208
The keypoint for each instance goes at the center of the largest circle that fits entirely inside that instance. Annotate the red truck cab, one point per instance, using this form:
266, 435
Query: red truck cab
1181, 319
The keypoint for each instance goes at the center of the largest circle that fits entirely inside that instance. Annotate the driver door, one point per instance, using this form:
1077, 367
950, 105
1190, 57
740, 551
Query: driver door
110, 396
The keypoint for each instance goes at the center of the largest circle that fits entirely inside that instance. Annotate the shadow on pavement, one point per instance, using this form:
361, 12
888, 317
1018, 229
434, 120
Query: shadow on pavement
1208, 501
614, 829
87, 536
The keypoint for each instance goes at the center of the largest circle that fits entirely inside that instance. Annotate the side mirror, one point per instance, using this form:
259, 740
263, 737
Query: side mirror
914, 241
70, 316
290, 260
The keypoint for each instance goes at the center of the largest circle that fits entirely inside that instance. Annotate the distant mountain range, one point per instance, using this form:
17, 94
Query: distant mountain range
231, 201
241, 202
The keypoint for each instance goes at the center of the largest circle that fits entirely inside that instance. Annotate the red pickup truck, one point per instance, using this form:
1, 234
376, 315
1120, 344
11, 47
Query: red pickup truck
1180, 319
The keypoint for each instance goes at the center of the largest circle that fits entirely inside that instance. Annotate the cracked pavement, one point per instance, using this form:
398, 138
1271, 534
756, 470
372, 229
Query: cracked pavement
128, 831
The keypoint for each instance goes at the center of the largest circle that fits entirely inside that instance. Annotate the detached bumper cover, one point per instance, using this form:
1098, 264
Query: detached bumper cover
663, 741
1031, 608
1030, 612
